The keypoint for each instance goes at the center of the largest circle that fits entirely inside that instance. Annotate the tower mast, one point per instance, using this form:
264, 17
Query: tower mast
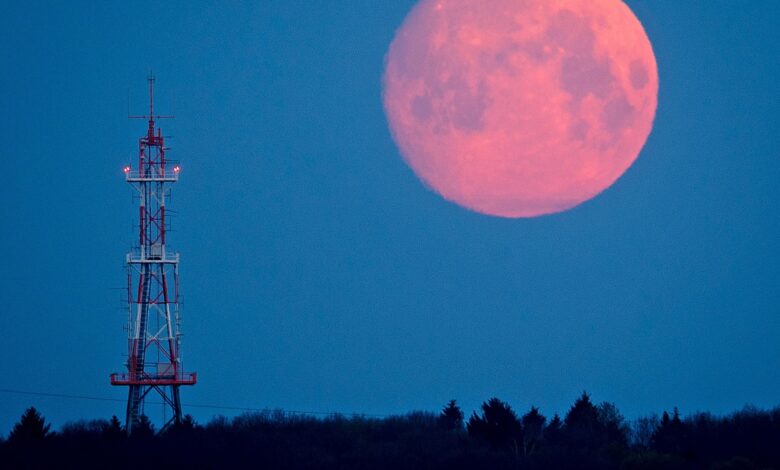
154, 340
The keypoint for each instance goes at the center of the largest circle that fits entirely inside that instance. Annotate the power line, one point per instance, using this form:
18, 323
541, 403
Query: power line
57, 395
190, 405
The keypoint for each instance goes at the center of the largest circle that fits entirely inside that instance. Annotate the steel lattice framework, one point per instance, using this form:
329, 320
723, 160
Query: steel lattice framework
154, 338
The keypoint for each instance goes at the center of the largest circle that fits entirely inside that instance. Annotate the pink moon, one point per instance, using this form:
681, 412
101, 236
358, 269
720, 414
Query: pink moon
519, 108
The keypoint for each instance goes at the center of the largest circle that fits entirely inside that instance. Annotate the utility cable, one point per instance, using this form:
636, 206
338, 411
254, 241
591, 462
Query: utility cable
190, 405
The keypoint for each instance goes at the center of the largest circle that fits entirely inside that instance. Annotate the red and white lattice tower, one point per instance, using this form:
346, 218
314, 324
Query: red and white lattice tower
154, 339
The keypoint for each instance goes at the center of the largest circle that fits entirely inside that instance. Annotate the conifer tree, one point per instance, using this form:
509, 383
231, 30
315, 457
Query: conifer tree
533, 427
31, 427
114, 428
451, 416
498, 425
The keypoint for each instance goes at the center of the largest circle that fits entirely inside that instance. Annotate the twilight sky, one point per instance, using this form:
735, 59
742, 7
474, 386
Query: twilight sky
319, 274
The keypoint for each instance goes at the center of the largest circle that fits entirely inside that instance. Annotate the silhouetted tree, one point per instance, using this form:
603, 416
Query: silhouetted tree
30, 428
552, 432
612, 424
188, 422
581, 425
643, 430
114, 428
533, 428
184, 427
143, 429
670, 434
498, 425
612, 440
597, 434
451, 416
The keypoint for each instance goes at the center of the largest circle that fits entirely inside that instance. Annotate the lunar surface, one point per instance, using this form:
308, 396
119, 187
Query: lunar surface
518, 108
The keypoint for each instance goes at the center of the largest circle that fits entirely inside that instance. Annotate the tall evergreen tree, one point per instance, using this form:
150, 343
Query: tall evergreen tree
669, 436
533, 427
498, 425
552, 432
114, 428
581, 426
451, 416
31, 427
583, 414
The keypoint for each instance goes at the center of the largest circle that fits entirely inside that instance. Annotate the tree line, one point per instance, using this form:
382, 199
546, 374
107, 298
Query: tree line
588, 436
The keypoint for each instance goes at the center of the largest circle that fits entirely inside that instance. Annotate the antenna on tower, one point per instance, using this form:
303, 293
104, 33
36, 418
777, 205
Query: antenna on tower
151, 117
150, 79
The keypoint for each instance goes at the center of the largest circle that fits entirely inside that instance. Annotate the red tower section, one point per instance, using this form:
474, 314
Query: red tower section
154, 339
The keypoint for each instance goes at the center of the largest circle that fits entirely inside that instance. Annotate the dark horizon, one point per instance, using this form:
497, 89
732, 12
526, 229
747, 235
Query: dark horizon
318, 273
589, 435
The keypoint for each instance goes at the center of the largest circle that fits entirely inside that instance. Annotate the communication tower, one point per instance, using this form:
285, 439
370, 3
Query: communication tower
154, 338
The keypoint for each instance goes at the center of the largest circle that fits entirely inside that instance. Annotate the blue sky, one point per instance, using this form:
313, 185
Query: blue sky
319, 274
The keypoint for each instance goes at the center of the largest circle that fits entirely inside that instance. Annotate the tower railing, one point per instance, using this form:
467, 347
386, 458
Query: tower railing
143, 378
169, 176
134, 257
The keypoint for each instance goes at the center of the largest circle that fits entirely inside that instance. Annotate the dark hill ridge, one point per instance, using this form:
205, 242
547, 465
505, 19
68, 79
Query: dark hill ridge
495, 437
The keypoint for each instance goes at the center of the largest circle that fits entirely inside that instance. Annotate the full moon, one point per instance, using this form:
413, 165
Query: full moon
519, 108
